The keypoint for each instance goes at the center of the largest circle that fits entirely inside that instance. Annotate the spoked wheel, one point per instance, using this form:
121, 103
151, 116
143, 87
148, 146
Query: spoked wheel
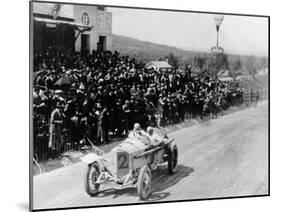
144, 183
172, 159
92, 188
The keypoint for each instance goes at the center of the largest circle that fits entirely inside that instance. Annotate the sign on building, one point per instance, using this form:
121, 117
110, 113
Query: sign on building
104, 22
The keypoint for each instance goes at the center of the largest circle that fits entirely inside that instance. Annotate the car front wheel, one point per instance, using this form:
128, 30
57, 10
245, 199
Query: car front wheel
91, 185
144, 183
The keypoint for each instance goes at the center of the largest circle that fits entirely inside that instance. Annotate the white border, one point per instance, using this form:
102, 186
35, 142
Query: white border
14, 87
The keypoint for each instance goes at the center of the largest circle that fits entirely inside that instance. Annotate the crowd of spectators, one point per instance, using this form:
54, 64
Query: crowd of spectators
101, 95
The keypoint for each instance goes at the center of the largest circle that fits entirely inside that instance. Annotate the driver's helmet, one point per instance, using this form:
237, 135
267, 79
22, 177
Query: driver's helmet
149, 130
137, 127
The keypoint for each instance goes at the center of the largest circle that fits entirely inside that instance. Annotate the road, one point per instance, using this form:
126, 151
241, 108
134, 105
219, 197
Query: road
219, 158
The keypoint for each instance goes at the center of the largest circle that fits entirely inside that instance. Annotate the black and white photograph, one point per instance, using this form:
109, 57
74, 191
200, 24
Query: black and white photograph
133, 105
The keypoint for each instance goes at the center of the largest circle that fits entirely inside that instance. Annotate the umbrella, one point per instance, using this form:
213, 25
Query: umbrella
72, 79
63, 81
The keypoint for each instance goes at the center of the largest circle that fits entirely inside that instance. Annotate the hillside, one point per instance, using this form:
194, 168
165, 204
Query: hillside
144, 51
147, 51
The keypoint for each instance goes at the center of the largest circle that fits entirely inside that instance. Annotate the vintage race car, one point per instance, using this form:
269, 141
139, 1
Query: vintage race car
129, 165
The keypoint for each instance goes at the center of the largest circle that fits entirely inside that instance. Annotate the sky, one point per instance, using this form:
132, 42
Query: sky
186, 30
194, 31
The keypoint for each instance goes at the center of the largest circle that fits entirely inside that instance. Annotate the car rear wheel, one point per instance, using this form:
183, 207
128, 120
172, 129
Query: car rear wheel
93, 172
144, 183
172, 159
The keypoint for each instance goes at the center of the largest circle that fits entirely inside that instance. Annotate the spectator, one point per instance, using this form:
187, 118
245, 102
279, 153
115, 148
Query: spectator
106, 93
56, 138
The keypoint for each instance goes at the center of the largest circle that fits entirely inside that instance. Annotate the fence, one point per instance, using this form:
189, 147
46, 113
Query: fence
41, 136
41, 143
250, 97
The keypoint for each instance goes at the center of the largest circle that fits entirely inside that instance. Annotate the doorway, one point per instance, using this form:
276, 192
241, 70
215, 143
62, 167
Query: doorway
50, 37
101, 45
85, 43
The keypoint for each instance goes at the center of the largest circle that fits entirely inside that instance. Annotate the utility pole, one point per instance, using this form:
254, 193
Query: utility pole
216, 50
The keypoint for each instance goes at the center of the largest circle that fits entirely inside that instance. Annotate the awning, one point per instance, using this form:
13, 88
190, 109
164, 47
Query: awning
158, 65
54, 21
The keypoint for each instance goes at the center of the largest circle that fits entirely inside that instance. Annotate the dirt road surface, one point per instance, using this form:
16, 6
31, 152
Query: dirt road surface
220, 158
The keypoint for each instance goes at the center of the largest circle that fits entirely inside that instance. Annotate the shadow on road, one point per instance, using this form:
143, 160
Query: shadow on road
161, 180
116, 192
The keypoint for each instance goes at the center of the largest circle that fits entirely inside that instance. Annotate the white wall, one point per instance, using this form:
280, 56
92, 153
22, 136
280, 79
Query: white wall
101, 26
92, 12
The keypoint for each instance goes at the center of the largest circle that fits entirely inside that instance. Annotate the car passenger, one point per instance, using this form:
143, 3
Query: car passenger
154, 138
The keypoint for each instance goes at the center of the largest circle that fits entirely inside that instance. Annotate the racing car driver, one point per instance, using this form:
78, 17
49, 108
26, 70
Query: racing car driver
139, 133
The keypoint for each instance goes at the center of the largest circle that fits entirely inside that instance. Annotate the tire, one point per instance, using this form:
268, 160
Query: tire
144, 183
172, 159
92, 175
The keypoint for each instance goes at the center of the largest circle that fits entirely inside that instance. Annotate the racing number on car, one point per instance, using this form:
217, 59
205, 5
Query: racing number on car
122, 161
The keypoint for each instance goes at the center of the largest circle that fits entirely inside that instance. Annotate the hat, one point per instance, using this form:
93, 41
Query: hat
59, 104
58, 92
69, 71
98, 105
137, 127
82, 86
149, 129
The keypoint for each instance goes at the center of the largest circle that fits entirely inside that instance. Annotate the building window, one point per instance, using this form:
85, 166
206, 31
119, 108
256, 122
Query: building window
85, 19
102, 8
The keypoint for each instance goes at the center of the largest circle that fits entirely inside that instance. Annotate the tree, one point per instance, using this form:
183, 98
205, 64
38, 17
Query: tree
173, 61
200, 62
235, 67
221, 61
251, 66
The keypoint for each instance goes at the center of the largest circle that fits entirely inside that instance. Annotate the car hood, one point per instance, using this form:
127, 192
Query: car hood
131, 145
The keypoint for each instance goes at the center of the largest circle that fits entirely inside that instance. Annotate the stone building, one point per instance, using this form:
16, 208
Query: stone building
71, 27
159, 66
